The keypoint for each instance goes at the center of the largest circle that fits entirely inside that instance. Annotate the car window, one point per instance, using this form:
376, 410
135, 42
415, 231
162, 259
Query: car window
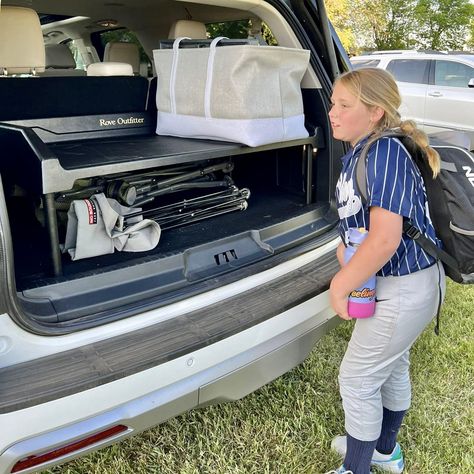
409, 70
358, 63
452, 73
242, 29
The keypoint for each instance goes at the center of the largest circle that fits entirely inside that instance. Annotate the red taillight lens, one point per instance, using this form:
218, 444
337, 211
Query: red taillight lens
37, 459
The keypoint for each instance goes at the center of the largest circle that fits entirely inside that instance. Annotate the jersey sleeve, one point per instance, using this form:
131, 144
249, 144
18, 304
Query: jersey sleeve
390, 177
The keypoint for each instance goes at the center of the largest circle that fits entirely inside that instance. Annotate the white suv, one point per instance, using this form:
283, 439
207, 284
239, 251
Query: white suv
437, 88
97, 349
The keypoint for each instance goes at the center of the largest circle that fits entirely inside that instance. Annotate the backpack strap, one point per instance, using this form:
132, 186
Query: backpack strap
361, 165
408, 228
427, 245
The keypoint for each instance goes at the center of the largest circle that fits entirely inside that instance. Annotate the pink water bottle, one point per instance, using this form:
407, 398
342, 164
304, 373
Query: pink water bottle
361, 301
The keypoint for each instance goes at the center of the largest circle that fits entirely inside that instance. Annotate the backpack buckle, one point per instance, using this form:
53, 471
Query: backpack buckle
412, 231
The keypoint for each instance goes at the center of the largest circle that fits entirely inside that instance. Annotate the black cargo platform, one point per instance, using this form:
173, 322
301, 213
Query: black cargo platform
58, 151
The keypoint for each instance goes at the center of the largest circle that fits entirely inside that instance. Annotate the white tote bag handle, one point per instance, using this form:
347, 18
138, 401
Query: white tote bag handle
174, 67
210, 74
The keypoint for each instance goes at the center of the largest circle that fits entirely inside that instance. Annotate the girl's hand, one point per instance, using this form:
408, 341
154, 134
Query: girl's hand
338, 298
381, 243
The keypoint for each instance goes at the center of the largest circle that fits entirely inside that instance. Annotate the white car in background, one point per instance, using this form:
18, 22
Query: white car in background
437, 88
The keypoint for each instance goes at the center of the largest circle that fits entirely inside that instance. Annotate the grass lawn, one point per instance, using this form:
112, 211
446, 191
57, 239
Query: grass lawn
287, 426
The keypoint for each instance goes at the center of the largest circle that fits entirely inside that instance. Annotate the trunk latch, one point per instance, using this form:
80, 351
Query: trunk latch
225, 257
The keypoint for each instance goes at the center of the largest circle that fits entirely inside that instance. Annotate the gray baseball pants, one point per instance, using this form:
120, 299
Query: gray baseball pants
375, 370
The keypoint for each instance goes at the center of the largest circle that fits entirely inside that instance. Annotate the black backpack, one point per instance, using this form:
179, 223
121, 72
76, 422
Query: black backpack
450, 200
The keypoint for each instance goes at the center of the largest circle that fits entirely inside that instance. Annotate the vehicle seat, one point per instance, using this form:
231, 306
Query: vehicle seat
121, 52
190, 28
60, 61
21, 42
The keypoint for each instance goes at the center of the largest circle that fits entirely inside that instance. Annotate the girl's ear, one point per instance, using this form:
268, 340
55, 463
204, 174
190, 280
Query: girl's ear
376, 114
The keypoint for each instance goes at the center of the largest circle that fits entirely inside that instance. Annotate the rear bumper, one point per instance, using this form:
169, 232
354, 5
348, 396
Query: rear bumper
179, 330
233, 378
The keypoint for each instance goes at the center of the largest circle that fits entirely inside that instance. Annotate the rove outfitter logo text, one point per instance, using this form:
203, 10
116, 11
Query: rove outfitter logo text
121, 121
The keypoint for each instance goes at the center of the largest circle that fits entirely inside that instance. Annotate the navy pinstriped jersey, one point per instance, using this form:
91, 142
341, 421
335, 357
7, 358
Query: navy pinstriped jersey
393, 183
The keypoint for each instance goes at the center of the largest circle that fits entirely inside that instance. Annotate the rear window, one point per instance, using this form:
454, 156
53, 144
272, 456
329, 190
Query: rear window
410, 70
45, 18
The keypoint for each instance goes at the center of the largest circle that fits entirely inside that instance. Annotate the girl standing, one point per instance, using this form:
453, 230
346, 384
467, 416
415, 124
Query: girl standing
374, 374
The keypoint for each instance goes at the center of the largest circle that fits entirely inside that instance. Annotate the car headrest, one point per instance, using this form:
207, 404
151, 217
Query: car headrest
59, 56
21, 41
191, 29
109, 69
121, 52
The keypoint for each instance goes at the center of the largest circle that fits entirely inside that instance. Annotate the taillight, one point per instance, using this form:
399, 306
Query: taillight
37, 459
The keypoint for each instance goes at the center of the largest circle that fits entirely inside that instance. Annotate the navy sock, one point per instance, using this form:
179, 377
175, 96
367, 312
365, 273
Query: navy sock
392, 420
358, 455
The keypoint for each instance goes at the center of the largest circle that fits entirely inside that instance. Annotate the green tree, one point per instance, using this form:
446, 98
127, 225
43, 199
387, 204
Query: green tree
443, 24
403, 24
230, 29
268, 35
339, 12
470, 41
384, 23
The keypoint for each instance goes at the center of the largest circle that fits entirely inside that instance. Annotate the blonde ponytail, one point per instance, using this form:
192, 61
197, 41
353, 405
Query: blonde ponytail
408, 127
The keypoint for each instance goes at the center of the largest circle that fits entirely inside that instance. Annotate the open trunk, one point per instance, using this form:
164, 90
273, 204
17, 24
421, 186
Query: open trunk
280, 214
66, 157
